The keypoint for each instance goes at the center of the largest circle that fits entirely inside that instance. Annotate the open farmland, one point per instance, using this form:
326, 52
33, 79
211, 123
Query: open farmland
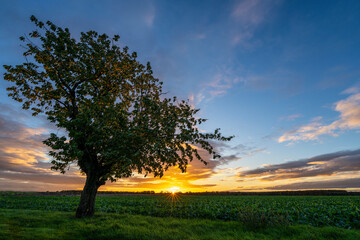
318, 211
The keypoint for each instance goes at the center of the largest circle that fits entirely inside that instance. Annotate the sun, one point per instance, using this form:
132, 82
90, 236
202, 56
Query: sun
174, 190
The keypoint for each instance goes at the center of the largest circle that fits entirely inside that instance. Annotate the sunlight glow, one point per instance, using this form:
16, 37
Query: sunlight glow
174, 190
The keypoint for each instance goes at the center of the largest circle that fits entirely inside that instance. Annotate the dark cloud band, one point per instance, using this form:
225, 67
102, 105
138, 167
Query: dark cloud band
322, 165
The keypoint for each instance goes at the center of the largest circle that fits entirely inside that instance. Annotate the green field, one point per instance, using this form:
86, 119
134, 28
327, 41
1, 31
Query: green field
183, 217
337, 211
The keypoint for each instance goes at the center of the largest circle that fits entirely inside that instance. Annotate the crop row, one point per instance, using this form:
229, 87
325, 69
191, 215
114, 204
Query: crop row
340, 211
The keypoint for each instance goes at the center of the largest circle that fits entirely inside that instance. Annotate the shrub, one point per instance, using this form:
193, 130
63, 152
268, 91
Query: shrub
251, 218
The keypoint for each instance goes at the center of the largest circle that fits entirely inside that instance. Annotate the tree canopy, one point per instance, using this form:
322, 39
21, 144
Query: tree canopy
116, 118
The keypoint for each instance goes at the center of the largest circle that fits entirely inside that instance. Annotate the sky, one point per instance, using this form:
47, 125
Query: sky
283, 77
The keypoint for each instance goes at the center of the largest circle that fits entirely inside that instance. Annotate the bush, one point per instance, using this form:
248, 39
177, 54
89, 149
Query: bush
251, 218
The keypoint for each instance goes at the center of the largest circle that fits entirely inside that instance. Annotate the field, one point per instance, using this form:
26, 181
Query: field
337, 211
239, 216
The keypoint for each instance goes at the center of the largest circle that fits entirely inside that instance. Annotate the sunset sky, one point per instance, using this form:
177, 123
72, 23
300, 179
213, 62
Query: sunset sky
283, 77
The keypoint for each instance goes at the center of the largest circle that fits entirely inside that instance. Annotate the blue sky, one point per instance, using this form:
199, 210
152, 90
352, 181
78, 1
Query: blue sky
282, 76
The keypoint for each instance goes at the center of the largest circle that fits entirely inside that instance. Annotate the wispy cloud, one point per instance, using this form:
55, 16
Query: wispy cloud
283, 81
149, 16
249, 12
352, 90
291, 117
200, 36
221, 82
349, 118
339, 77
239, 150
248, 15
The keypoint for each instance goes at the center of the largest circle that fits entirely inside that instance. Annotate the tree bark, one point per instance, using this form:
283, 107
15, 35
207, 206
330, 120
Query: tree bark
86, 206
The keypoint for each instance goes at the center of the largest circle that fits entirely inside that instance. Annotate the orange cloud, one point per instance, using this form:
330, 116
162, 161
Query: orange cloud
25, 166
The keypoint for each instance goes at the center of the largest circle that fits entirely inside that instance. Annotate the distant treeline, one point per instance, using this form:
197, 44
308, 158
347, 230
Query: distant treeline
283, 193
274, 193
78, 192
125, 193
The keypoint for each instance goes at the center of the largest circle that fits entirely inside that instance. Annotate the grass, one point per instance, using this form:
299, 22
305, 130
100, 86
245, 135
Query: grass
37, 224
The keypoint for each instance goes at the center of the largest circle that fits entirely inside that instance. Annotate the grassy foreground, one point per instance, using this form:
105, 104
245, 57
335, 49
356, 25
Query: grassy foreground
36, 224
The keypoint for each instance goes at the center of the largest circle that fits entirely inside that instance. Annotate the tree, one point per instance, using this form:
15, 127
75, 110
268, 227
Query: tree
113, 111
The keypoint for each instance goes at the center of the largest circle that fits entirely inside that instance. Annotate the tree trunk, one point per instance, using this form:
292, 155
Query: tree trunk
86, 206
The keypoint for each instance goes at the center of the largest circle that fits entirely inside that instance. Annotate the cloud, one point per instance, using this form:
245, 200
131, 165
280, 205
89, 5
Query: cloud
20, 146
221, 82
43, 178
200, 36
340, 76
150, 16
226, 78
196, 99
352, 90
283, 81
248, 15
236, 152
291, 117
187, 181
322, 165
337, 184
21, 185
249, 12
349, 118
25, 166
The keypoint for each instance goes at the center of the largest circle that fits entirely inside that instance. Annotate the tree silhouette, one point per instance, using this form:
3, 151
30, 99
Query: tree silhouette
113, 111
